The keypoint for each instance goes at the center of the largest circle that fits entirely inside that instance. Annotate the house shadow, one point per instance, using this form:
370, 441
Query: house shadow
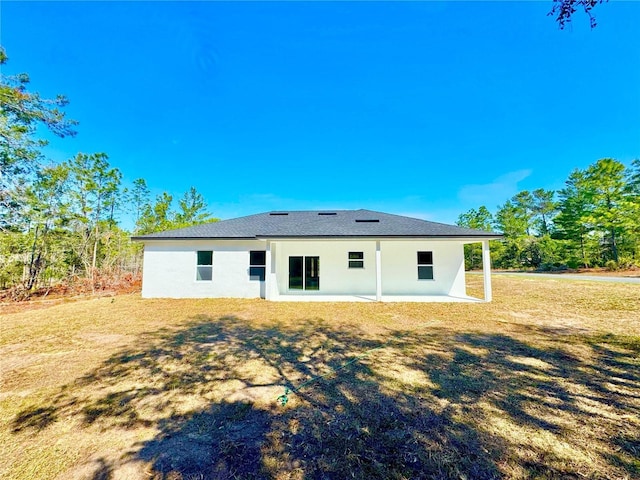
407, 409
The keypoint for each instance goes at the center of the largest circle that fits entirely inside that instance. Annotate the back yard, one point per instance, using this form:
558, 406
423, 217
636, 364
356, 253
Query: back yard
542, 383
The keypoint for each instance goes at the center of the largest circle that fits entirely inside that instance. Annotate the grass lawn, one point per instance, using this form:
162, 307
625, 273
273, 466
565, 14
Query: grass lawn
544, 382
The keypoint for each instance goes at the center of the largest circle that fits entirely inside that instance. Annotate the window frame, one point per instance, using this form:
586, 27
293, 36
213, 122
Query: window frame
203, 267
355, 260
425, 265
257, 270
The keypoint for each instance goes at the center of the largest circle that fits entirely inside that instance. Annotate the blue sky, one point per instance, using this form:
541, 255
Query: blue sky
419, 108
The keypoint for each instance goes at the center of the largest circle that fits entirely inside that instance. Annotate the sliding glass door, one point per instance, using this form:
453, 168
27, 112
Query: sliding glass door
304, 273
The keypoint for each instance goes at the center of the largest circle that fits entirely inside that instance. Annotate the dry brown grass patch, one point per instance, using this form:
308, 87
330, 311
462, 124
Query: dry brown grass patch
542, 383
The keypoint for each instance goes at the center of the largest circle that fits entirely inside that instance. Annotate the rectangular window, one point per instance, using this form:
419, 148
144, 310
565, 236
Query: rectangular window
257, 264
356, 259
204, 267
425, 265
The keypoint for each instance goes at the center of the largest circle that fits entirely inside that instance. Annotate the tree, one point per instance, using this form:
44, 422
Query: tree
634, 177
46, 208
564, 10
480, 219
611, 206
633, 181
512, 219
138, 198
20, 114
193, 210
95, 187
160, 216
575, 213
525, 222
156, 217
544, 207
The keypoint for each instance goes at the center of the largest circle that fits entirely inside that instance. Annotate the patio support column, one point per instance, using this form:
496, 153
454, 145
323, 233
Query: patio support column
486, 270
267, 272
378, 273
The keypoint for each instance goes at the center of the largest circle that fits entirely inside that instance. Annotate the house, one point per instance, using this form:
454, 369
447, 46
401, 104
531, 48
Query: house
352, 255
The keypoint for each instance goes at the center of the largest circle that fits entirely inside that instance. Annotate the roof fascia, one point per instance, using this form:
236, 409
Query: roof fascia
144, 239
470, 238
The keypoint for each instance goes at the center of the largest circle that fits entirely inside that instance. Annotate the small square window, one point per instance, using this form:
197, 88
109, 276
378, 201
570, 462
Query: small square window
425, 258
425, 272
205, 258
356, 264
205, 274
257, 258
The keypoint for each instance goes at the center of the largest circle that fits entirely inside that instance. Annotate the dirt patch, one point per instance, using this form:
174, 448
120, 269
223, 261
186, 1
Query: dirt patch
15, 300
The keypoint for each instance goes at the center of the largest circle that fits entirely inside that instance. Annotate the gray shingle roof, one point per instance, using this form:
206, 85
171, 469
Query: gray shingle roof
319, 224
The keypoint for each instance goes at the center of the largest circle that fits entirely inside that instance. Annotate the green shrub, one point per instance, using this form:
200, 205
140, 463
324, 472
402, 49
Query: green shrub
612, 265
626, 263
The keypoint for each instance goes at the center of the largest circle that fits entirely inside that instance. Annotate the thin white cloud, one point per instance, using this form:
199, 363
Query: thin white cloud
498, 191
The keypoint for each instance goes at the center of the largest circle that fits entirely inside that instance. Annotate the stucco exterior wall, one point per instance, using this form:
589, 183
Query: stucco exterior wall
398, 264
335, 275
400, 268
170, 269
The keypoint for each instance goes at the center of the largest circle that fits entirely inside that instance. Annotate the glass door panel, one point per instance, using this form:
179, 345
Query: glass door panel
295, 273
312, 273
304, 273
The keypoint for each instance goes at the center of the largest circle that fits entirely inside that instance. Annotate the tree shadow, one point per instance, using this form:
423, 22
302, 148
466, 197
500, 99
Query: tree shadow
412, 408
34, 418
222, 442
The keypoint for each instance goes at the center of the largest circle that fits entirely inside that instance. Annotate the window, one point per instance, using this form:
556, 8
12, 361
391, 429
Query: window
356, 260
425, 265
257, 264
204, 269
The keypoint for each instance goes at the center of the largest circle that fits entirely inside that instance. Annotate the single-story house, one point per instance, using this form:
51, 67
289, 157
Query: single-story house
352, 255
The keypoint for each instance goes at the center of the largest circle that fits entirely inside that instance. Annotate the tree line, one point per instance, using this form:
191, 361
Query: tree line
62, 222
593, 221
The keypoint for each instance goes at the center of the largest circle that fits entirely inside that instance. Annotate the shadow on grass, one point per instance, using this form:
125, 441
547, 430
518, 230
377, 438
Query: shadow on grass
421, 406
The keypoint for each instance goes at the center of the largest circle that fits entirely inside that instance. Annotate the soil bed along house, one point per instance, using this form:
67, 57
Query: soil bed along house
352, 255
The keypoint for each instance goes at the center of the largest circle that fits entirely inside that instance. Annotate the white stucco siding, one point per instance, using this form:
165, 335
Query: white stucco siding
170, 269
335, 275
400, 268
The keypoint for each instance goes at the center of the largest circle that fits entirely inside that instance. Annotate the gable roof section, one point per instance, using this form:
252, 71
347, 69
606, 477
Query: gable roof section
320, 224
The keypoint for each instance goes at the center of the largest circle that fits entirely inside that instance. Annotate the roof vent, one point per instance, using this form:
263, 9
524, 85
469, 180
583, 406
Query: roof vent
368, 221
327, 213
278, 213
